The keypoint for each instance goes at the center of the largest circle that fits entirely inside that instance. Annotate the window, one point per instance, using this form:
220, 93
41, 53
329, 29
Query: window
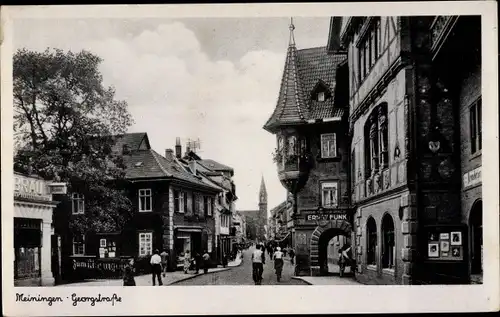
353, 169
145, 243
371, 250
376, 140
329, 194
475, 127
180, 203
107, 248
77, 204
207, 205
321, 96
369, 49
79, 244
388, 250
328, 145
144, 200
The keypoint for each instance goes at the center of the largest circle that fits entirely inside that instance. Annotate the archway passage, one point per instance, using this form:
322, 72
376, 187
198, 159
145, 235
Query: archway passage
476, 234
321, 238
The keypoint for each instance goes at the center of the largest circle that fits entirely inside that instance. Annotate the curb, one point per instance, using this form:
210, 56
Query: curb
196, 275
301, 279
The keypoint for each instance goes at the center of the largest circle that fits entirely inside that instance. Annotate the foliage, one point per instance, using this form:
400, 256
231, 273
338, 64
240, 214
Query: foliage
64, 121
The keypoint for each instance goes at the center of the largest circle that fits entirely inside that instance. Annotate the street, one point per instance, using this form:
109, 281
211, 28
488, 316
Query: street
242, 275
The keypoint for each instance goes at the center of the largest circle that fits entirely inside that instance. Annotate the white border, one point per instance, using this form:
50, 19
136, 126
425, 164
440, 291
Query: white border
268, 299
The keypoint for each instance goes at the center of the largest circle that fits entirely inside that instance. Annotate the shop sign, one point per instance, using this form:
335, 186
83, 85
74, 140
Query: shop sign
472, 178
316, 217
30, 187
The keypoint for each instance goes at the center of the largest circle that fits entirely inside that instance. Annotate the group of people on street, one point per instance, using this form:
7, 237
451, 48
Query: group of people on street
259, 259
195, 262
159, 266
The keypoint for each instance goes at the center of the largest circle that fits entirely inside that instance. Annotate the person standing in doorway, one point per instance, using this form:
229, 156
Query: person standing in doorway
206, 261
164, 262
156, 267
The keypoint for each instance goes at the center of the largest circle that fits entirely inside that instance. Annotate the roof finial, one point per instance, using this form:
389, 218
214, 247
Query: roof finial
292, 38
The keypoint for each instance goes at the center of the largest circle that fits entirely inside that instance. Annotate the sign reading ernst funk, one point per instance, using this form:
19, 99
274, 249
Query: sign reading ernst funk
472, 178
315, 217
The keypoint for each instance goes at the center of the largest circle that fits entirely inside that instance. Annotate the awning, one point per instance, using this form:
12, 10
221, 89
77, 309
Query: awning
188, 229
287, 235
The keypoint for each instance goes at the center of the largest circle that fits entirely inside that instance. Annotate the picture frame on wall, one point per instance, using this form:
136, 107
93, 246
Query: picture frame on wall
433, 236
444, 236
456, 238
445, 246
433, 250
455, 252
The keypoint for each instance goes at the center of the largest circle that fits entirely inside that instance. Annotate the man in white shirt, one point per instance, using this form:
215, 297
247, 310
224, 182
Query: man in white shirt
156, 267
257, 266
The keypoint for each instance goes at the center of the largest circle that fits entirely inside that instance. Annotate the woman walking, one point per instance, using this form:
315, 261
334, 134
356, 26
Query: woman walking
128, 275
278, 263
187, 261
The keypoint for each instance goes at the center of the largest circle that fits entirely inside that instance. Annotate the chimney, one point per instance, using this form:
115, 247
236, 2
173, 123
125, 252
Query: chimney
169, 153
125, 149
178, 148
192, 166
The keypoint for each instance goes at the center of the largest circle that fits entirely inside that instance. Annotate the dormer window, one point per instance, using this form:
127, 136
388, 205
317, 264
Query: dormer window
321, 96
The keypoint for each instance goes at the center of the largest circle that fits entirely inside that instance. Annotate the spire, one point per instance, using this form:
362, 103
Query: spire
263, 186
292, 37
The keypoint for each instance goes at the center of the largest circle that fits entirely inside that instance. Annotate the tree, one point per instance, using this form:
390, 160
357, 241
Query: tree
64, 122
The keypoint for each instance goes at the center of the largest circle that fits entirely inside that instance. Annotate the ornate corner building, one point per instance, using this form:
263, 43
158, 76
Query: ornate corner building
379, 140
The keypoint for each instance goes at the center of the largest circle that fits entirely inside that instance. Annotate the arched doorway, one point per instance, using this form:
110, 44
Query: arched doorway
321, 238
476, 238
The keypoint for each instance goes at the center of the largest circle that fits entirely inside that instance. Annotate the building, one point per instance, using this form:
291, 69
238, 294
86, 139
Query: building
239, 225
256, 220
311, 127
173, 211
398, 120
283, 223
219, 175
34, 246
410, 107
461, 76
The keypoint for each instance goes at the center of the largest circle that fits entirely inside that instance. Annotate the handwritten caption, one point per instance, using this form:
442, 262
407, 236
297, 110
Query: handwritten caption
74, 298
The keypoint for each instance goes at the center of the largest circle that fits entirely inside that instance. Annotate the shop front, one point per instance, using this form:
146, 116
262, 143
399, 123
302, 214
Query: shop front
33, 206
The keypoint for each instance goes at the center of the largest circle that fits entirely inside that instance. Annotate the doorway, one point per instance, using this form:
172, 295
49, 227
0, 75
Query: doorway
476, 235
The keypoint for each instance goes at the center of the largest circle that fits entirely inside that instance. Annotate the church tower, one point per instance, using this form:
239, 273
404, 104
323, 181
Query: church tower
262, 217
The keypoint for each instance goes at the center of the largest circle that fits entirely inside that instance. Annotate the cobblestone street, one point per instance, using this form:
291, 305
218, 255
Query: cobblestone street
242, 275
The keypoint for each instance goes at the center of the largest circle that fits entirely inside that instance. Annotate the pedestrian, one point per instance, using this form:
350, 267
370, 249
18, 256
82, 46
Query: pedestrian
164, 262
156, 267
292, 255
128, 275
187, 261
284, 251
206, 262
197, 262
278, 262
257, 266
224, 260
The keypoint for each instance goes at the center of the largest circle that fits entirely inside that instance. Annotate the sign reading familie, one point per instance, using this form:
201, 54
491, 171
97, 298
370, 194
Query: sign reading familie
316, 217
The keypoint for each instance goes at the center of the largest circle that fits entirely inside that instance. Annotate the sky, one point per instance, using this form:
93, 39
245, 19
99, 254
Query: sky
213, 79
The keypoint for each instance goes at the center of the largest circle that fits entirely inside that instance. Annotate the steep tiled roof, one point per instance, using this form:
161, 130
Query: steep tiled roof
146, 163
214, 165
133, 140
303, 70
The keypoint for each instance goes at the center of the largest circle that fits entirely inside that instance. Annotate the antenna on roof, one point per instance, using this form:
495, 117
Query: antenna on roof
193, 145
292, 37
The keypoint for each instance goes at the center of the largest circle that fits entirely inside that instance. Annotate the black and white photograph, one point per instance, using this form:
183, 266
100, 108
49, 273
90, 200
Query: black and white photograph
286, 150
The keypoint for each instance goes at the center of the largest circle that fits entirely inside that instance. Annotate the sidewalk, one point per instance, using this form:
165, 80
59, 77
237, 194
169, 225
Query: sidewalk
327, 280
146, 280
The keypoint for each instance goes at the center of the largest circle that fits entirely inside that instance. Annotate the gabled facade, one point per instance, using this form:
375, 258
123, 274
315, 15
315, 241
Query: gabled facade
311, 128
173, 210
410, 96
